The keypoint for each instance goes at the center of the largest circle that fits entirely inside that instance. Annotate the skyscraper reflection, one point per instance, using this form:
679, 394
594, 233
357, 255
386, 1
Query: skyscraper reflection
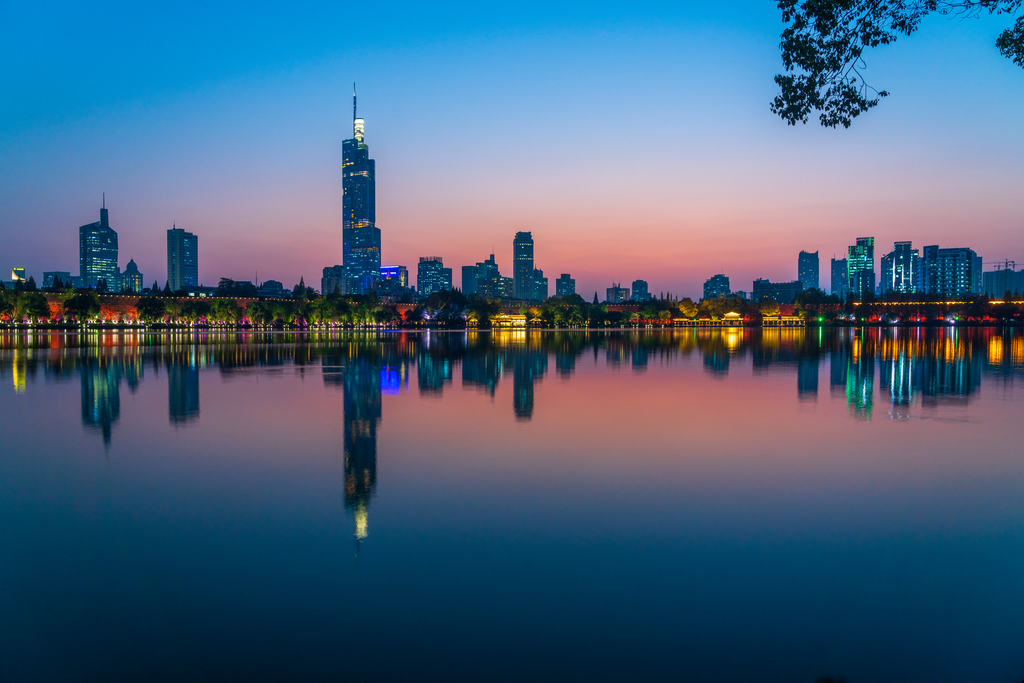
182, 391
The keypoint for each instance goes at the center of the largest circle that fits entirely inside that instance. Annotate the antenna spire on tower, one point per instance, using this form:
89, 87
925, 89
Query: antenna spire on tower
104, 200
354, 102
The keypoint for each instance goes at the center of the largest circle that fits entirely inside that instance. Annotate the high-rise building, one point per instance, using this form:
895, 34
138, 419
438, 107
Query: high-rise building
640, 292
334, 280
398, 274
360, 234
522, 265
469, 274
182, 259
807, 269
490, 283
50, 278
716, 286
780, 292
97, 252
616, 294
565, 285
900, 269
131, 278
840, 278
996, 283
432, 276
951, 272
540, 286
861, 266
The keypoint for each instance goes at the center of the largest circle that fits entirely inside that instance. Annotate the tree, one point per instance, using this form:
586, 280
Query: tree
687, 307
824, 43
82, 306
769, 307
150, 309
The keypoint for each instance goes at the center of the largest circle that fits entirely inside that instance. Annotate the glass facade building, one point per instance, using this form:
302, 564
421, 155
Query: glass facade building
716, 286
97, 253
565, 285
522, 265
900, 270
432, 276
807, 269
616, 294
951, 272
780, 292
360, 234
861, 266
182, 259
840, 278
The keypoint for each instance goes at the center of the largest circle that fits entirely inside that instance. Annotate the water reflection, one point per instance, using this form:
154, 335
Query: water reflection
926, 366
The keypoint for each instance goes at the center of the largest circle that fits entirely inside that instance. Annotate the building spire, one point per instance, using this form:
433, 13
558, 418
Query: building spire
354, 117
104, 200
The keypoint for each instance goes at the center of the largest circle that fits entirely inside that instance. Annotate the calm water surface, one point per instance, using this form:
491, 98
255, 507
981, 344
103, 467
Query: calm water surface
710, 506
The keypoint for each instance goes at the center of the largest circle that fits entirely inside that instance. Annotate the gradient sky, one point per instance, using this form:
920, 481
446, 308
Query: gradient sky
634, 140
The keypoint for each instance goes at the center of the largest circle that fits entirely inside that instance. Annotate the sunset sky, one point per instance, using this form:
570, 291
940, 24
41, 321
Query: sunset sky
633, 139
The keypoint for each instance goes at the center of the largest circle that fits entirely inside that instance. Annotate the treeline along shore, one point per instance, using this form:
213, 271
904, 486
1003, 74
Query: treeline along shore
72, 308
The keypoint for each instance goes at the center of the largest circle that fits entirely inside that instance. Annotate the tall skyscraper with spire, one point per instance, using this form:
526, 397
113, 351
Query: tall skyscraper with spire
360, 234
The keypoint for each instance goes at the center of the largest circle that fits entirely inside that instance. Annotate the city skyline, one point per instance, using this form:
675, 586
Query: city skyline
263, 187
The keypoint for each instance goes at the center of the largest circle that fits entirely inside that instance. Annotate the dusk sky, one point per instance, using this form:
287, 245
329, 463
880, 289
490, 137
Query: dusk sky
634, 140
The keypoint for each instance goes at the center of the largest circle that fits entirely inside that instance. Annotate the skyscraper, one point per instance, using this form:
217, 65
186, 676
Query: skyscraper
432, 276
565, 285
640, 291
360, 235
97, 252
182, 259
469, 275
807, 269
900, 269
716, 286
951, 272
861, 266
840, 277
522, 265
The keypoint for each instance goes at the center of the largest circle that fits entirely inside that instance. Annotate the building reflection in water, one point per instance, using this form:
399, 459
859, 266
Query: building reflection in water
183, 391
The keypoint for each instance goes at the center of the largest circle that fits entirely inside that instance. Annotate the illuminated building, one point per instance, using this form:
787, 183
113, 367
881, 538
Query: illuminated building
840, 278
640, 292
565, 285
18, 275
182, 259
131, 278
900, 269
716, 286
861, 266
97, 252
616, 294
951, 272
432, 276
360, 234
398, 274
780, 292
522, 265
540, 286
807, 269
490, 283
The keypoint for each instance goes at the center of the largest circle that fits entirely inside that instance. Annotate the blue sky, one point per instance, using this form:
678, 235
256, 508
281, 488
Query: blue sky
634, 140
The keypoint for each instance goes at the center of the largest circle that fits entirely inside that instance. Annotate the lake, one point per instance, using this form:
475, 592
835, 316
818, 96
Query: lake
699, 505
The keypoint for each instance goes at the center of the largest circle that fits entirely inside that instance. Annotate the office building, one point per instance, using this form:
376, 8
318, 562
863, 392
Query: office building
182, 259
540, 286
131, 278
522, 265
998, 282
490, 283
432, 276
360, 234
716, 286
50, 278
397, 274
900, 270
780, 292
565, 285
951, 272
807, 269
271, 289
616, 294
18, 275
840, 278
334, 281
861, 266
639, 292
469, 274
97, 253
